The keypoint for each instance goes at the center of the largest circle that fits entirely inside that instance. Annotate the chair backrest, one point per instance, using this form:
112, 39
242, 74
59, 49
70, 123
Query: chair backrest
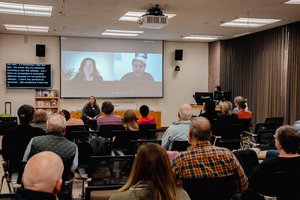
105, 130
71, 128
7, 123
266, 139
180, 145
7, 196
277, 120
229, 131
280, 184
134, 144
109, 170
265, 126
246, 124
248, 160
147, 131
222, 188
121, 140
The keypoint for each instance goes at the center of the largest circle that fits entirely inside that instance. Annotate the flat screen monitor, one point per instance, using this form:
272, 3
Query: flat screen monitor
28, 76
202, 97
111, 68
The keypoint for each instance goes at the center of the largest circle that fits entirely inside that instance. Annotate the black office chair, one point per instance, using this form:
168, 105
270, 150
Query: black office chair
265, 139
248, 160
7, 196
105, 130
134, 144
121, 140
277, 120
222, 188
180, 145
147, 131
280, 184
228, 135
73, 128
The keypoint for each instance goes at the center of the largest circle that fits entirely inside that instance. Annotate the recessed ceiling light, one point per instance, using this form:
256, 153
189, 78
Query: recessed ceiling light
29, 28
121, 33
202, 37
25, 9
292, 2
132, 16
249, 22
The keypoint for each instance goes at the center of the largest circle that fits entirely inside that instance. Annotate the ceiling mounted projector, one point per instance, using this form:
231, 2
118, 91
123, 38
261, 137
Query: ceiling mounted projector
153, 19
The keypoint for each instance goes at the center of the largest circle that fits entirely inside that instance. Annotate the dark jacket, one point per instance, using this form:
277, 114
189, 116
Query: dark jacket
24, 194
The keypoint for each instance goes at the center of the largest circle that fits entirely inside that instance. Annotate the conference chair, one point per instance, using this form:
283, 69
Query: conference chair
248, 160
105, 130
7, 196
277, 120
228, 135
280, 184
134, 144
222, 188
72, 128
180, 145
265, 139
147, 131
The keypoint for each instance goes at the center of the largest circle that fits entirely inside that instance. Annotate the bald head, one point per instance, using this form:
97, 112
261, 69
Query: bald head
185, 112
43, 173
200, 129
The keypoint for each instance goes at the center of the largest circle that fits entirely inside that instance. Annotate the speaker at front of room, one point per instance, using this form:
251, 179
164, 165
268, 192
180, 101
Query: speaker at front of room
40, 50
178, 54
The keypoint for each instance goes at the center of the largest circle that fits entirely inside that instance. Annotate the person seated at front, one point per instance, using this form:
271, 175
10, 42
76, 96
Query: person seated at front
178, 130
144, 110
151, 177
108, 118
70, 120
42, 177
243, 113
203, 160
226, 115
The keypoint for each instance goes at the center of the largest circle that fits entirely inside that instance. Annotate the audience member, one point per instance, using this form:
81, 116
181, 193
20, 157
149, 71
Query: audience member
108, 118
178, 130
218, 93
130, 121
226, 115
39, 119
237, 101
210, 112
151, 177
42, 177
144, 111
16, 139
203, 160
88, 72
243, 113
90, 113
297, 125
138, 69
287, 140
56, 142
70, 120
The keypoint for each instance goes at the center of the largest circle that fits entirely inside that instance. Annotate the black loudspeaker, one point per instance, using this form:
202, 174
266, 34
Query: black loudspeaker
40, 50
178, 54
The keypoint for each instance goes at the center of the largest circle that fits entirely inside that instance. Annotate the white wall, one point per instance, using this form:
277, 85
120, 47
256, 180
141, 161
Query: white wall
179, 87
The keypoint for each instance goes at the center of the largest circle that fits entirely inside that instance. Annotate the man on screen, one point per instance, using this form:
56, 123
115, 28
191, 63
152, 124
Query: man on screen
138, 69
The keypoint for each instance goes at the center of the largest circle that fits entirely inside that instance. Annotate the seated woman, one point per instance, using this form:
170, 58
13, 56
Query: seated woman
130, 120
151, 177
243, 113
210, 112
226, 115
108, 118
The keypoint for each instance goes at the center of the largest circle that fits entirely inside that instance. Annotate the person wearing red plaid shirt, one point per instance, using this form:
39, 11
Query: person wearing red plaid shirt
203, 160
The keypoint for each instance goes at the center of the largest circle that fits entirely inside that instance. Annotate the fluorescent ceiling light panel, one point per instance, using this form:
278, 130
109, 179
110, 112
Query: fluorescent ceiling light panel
29, 28
249, 22
121, 33
292, 2
25, 9
202, 37
132, 16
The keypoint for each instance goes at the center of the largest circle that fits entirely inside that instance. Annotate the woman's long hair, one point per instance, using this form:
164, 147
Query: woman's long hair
130, 120
152, 167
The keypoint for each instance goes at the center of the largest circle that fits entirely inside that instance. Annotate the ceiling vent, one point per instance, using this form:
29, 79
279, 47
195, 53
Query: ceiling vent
153, 19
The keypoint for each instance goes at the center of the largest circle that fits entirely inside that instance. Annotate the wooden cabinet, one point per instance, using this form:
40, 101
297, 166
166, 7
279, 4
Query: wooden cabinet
47, 99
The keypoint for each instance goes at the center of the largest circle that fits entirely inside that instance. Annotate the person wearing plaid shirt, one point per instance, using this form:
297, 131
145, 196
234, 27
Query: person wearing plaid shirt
203, 160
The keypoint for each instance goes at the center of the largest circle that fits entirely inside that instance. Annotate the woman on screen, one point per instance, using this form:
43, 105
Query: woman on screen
138, 69
88, 71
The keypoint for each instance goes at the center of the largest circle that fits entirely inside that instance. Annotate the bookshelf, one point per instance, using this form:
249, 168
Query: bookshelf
47, 99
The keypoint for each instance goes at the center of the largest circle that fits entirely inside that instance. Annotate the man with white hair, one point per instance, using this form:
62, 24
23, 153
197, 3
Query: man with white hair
56, 142
178, 130
42, 177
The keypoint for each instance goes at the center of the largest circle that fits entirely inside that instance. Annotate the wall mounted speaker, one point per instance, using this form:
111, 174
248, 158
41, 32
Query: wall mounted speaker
40, 50
178, 54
